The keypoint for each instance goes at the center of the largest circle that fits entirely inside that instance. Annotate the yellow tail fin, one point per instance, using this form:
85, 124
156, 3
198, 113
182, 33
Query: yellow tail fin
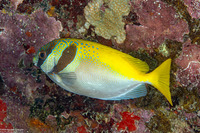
160, 78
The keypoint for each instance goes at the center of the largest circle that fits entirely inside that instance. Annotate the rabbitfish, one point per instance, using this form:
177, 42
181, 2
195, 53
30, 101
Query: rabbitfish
94, 70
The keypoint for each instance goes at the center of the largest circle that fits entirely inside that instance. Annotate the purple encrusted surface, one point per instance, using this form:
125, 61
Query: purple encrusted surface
13, 39
193, 7
189, 63
20, 84
36, 104
158, 21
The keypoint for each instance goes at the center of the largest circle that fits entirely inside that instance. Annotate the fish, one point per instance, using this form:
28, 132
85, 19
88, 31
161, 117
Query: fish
98, 71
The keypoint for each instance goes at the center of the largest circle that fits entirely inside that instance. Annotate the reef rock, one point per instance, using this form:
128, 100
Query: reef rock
157, 21
189, 62
20, 37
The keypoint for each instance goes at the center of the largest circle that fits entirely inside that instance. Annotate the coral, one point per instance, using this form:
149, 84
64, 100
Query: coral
128, 120
123, 110
27, 6
189, 63
15, 3
69, 12
30, 50
37, 125
18, 115
3, 109
163, 49
160, 123
81, 129
193, 7
20, 37
3, 114
30, 101
108, 21
145, 116
193, 121
189, 11
181, 126
51, 11
191, 102
157, 22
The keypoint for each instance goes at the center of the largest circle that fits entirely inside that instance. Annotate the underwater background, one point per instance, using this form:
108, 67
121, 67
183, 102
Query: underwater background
151, 30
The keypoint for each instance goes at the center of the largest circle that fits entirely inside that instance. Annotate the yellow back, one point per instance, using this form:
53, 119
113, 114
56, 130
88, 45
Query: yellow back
119, 62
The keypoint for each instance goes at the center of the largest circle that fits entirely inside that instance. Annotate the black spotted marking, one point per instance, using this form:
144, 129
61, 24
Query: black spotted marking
66, 58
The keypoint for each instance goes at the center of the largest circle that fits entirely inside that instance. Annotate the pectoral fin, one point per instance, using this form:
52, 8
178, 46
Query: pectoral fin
68, 78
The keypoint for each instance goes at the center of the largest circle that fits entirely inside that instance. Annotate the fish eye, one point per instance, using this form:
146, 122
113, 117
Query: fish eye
42, 55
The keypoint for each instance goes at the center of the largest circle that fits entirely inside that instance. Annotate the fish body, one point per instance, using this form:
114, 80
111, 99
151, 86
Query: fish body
94, 70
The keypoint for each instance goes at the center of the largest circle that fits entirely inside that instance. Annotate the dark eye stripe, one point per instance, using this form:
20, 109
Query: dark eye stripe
49, 47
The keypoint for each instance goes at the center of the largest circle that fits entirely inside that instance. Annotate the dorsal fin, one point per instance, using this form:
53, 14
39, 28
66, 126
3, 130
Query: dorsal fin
137, 63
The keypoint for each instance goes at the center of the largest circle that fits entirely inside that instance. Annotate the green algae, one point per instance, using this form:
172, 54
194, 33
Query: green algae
64, 122
190, 101
159, 123
163, 49
195, 31
42, 110
180, 7
144, 56
153, 100
172, 48
36, 110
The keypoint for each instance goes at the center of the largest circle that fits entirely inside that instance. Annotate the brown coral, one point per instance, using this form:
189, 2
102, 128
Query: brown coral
108, 21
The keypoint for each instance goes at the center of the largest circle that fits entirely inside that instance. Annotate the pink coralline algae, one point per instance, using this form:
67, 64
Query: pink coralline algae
17, 114
158, 21
193, 7
128, 121
20, 37
189, 63
30, 101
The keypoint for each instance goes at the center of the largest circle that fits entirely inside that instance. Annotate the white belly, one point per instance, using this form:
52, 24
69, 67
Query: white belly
100, 82
95, 81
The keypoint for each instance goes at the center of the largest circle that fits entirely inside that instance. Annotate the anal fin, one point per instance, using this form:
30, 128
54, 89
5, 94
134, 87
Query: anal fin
138, 90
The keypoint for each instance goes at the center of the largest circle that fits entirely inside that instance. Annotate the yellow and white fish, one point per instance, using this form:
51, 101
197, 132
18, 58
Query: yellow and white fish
94, 70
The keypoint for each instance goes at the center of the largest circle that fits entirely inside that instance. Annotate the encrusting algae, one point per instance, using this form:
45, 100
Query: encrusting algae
108, 21
159, 29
